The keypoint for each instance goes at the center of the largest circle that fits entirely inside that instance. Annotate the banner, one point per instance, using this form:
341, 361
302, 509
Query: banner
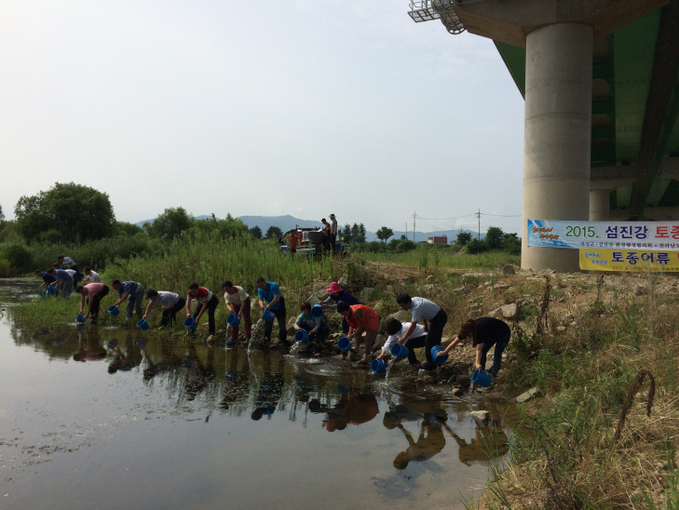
650, 235
629, 260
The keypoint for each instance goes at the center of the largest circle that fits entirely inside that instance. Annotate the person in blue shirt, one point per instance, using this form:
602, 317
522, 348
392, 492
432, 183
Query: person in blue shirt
47, 279
133, 292
271, 299
64, 281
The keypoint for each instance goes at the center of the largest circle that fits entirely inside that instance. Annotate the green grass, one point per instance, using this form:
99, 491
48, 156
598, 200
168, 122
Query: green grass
440, 259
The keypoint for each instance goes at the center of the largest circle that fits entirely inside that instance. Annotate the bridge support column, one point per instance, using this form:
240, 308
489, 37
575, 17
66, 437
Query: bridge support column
557, 137
599, 205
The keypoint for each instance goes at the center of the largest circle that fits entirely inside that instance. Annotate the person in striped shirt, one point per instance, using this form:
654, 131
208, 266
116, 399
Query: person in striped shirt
133, 292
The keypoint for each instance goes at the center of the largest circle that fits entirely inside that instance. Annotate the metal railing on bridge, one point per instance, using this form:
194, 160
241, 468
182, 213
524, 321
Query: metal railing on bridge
428, 10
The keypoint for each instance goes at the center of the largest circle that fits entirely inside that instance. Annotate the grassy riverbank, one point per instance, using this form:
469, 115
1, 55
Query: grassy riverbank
588, 441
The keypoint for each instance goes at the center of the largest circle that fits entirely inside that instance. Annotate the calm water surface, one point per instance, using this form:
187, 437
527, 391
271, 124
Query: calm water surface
182, 425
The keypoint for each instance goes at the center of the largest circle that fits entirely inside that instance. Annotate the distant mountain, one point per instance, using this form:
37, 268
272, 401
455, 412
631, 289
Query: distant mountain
288, 222
285, 223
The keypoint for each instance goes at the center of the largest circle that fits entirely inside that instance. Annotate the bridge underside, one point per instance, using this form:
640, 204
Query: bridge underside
635, 107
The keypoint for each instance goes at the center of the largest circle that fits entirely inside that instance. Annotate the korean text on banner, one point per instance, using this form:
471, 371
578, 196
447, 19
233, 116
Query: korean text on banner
629, 260
621, 235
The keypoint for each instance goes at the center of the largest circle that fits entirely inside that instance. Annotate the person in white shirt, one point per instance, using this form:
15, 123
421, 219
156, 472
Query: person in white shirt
238, 302
428, 312
396, 329
170, 302
91, 276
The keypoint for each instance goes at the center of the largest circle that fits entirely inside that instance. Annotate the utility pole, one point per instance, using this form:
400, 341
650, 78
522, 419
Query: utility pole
478, 215
406, 230
414, 224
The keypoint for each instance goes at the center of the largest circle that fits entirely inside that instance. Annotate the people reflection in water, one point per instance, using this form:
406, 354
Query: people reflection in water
127, 360
195, 374
237, 381
168, 361
89, 346
430, 440
488, 443
353, 408
270, 388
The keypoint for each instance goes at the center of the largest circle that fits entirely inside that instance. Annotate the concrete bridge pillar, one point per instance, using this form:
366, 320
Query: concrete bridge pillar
599, 205
557, 137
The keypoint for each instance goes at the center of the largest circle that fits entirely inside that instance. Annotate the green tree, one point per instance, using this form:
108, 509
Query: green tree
476, 246
355, 233
494, 237
2, 216
256, 232
359, 238
511, 244
66, 212
170, 224
463, 238
273, 232
228, 227
347, 236
123, 228
384, 233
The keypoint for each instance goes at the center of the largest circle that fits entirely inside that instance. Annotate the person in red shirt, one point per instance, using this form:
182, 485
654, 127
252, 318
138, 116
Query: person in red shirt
361, 319
206, 301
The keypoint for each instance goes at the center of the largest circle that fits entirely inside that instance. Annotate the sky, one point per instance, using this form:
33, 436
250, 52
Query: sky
267, 107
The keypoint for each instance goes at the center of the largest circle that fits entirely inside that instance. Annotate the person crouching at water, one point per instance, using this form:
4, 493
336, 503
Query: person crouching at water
205, 301
361, 318
337, 294
67, 263
64, 280
396, 329
169, 302
91, 276
92, 294
271, 299
47, 279
317, 328
238, 303
425, 310
133, 292
484, 332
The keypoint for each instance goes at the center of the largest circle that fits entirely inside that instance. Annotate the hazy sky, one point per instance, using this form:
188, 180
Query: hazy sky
266, 107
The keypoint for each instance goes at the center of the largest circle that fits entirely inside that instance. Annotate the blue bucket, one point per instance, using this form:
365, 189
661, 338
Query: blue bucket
268, 315
438, 359
190, 323
233, 320
316, 311
343, 388
143, 325
80, 318
399, 351
113, 310
344, 343
481, 378
301, 336
51, 289
378, 366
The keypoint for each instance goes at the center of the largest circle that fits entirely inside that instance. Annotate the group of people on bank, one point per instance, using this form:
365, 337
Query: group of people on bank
360, 322
325, 240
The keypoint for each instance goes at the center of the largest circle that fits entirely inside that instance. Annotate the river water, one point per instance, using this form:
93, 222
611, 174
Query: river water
179, 424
